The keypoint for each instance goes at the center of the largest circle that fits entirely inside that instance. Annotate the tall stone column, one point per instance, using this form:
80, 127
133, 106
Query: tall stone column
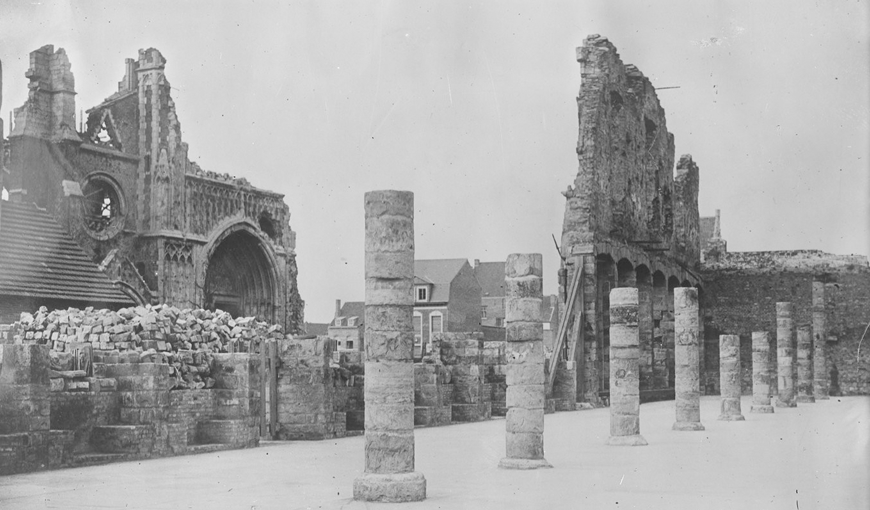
729, 377
805, 365
820, 335
784, 353
389, 367
686, 364
761, 373
526, 390
624, 376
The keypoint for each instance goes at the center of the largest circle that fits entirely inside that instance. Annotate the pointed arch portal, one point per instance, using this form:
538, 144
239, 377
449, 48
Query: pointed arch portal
240, 277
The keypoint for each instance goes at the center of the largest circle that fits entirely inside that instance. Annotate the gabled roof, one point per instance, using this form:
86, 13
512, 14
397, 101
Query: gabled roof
353, 309
490, 276
39, 259
438, 272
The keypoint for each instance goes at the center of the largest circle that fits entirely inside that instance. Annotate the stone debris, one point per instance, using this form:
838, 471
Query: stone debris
185, 339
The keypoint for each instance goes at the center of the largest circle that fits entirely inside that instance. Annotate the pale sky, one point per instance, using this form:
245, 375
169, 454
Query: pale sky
471, 105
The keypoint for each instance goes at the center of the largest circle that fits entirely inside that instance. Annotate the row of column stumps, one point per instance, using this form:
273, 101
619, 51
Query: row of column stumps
820, 372
805, 365
729, 378
784, 355
526, 390
389, 367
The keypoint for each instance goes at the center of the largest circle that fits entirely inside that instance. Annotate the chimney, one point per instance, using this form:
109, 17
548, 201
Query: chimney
337, 307
716, 226
476, 263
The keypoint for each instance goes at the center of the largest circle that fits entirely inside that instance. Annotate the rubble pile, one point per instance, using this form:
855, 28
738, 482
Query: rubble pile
183, 338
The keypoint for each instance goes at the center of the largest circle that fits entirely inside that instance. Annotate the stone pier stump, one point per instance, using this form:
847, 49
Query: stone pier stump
729, 378
820, 335
784, 355
389, 367
624, 365
526, 390
761, 373
805, 365
687, 365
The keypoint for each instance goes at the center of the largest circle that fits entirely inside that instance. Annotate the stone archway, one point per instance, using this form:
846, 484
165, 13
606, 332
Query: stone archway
240, 275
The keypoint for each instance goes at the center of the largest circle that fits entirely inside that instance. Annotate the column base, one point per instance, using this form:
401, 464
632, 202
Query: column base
780, 403
688, 426
509, 463
806, 399
390, 488
731, 417
635, 440
763, 409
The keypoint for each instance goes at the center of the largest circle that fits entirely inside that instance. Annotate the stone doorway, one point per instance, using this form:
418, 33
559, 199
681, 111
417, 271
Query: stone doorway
240, 278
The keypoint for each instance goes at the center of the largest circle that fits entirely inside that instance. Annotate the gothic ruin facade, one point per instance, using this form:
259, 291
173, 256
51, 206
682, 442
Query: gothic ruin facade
124, 188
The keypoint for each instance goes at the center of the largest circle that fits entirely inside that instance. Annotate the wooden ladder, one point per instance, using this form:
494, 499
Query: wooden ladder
564, 324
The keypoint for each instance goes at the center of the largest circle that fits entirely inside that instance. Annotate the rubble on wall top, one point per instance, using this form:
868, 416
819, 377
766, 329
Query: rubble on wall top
795, 261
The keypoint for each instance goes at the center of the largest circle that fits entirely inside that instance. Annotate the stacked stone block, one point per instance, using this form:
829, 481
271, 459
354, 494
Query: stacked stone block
306, 390
761, 373
564, 395
624, 370
805, 365
25, 408
463, 354
785, 340
686, 356
432, 404
729, 378
389, 392
526, 392
495, 375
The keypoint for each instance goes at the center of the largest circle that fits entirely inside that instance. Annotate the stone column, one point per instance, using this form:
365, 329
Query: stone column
805, 365
624, 377
729, 377
761, 373
820, 335
784, 352
389, 367
686, 364
526, 389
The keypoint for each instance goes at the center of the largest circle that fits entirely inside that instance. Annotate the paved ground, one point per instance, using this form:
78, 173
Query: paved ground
814, 456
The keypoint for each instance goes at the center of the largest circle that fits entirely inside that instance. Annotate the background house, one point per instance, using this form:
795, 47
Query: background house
347, 326
447, 298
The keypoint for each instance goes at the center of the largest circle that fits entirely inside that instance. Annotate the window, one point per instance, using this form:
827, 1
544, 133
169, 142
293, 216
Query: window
351, 321
103, 207
435, 323
418, 329
422, 293
339, 321
483, 312
349, 344
499, 322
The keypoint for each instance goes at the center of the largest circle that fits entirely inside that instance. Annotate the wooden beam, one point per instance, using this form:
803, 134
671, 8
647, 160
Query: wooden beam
563, 326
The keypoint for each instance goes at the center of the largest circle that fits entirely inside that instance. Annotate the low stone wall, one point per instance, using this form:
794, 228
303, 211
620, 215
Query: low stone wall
463, 354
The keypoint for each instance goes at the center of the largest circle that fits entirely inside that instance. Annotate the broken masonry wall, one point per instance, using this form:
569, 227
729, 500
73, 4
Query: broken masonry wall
25, 408
624, 189
350, 388
472, 396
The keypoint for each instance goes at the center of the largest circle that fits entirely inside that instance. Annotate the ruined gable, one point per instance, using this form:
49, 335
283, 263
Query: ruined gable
624, 190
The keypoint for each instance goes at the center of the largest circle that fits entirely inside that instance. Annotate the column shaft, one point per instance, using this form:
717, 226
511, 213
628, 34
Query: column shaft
805, 365
729, 377
624, 376
686, 364
526, 389
784, 355
761, 373
389, 368
820, 335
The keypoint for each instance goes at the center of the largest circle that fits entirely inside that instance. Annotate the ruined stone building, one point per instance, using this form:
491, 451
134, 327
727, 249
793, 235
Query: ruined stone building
629, 221
632, 221
123, 188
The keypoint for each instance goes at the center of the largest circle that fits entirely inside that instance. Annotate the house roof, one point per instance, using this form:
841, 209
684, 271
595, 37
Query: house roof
490, 276
353, 309
316, 328
439, 273
39, 259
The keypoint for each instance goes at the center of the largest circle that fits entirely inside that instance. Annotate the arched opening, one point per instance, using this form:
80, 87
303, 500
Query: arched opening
660, 309
240, 278
645, 324
625, 274
606, 277
103, 206
673, 283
